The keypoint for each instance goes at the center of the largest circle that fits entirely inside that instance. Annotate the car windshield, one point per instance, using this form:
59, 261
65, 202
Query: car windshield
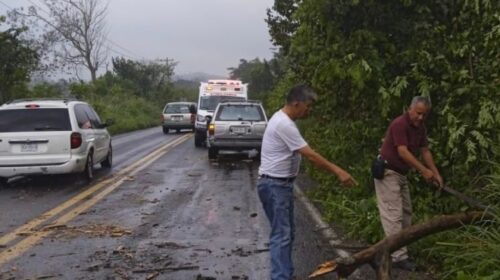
177, 109
21, 120
240, 113
209, 103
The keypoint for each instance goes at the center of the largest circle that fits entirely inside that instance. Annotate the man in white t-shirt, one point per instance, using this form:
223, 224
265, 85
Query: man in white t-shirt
282, 148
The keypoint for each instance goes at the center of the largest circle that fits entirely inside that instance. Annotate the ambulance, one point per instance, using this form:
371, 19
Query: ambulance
211, 94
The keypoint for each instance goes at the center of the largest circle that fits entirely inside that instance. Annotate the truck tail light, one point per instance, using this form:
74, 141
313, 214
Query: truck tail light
76, 140
211, 129
162, 118
193, 118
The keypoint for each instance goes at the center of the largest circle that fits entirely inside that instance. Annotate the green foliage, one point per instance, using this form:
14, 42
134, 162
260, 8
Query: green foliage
114, 98
151, 80
366, 60
474, 252
276, 100
17, 61
133, 114
280, 22
259, 75
128, 111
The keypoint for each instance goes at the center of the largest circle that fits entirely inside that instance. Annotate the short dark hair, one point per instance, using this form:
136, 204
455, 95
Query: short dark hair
301, 93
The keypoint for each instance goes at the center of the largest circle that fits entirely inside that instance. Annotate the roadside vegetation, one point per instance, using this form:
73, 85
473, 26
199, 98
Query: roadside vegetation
132, 102
367, 60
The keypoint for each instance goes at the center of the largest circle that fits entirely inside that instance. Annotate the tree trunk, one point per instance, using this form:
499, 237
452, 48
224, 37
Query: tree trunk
345, 266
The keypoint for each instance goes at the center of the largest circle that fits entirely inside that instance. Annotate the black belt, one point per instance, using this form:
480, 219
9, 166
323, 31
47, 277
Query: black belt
289, 179
397, 170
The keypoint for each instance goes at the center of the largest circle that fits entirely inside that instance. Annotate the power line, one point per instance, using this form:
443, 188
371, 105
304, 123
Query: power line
117, 45
39, 7
121, 53
135, 56
8, 7
109, 45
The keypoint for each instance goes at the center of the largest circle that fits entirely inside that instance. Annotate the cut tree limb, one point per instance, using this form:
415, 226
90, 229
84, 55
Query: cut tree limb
345, 266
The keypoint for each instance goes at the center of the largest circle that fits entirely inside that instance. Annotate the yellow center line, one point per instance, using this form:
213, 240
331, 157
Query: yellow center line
9, 253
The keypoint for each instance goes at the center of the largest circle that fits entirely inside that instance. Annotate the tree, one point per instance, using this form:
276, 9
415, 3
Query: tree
148, 78
257, 73
78, 30
379, 254
281, 23
17, 61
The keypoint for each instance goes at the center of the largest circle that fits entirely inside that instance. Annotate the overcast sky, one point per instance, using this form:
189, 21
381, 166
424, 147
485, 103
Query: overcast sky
201, 35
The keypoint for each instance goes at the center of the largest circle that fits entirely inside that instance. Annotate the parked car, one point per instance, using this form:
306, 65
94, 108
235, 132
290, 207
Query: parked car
178, 115
236, 126
44, 136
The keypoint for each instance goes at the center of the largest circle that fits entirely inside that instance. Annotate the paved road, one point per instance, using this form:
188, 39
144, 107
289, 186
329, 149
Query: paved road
163, 212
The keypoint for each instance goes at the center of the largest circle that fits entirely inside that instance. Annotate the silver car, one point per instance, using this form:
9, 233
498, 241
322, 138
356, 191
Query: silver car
236, 126
52, 137
178, 115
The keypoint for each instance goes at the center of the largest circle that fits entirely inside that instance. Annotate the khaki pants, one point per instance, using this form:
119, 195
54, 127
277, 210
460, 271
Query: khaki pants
394, 205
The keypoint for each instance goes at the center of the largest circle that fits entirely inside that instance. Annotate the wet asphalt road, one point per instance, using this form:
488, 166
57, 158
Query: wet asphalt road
182, 217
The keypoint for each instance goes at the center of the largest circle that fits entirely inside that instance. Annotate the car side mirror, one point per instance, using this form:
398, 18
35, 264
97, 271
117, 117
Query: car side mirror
192, 109
108, 122
209, 119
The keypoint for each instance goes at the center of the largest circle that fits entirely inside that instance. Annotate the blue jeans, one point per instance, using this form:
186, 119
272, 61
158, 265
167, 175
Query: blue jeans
277, 199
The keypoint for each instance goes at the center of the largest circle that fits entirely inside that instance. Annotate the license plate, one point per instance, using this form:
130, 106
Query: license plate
29, 148
239, 129
176, 118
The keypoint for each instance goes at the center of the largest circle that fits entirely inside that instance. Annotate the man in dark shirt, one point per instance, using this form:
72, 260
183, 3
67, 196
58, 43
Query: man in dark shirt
405, 137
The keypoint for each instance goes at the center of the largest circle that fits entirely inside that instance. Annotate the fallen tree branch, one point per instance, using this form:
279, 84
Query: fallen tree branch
375, 253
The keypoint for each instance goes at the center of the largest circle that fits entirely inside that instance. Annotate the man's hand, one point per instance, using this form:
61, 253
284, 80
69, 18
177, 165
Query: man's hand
346, 179
428, 175
438, 180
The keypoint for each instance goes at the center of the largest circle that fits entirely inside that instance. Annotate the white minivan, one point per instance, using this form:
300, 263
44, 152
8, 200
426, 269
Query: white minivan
52, 136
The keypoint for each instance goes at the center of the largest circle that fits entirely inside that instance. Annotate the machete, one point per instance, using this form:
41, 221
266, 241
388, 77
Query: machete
472, 202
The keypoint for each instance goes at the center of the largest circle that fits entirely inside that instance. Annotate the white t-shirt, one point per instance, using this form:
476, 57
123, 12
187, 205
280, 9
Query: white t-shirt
279, 154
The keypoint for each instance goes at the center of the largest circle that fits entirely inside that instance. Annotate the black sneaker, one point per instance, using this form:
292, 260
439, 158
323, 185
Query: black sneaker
406, 264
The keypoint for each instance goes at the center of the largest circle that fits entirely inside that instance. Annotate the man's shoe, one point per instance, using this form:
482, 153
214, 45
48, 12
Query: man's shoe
406, 264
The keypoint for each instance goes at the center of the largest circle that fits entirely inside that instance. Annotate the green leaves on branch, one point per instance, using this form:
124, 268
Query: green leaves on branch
17, 61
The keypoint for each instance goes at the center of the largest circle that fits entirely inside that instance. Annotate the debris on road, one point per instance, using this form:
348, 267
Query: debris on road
92, 230
378, 254
129, 178
171, 245
201, 277
152, 275
47, 276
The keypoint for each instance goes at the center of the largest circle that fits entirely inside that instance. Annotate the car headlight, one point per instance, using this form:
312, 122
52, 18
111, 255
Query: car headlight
200, 118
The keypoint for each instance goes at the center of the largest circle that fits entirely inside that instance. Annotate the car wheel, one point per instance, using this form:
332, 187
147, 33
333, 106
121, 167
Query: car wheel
165, 130
108, 162
3, 182
212, 153
198, 141
88, 173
